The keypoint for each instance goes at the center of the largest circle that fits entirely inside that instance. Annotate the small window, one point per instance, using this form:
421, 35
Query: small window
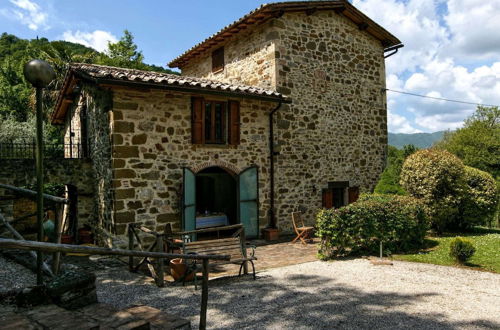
218, 59
215, 122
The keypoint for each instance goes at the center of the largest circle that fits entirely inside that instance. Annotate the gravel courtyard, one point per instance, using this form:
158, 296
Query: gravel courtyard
349, 294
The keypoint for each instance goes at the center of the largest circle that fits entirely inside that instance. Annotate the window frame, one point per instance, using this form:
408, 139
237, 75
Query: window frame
218, 60
213, 122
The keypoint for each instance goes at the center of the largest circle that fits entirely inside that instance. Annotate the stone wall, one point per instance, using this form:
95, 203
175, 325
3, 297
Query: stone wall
336, 127
152, 143
76, 172
249, 59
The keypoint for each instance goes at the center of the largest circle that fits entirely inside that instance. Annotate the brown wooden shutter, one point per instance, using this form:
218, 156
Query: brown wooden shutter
233, 132
353, 194
327, 196
197, 125
218, 59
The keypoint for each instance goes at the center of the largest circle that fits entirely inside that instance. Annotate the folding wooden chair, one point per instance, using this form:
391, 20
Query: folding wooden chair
302, 231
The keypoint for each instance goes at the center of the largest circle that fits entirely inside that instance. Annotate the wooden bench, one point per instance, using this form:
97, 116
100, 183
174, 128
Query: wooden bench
234, 246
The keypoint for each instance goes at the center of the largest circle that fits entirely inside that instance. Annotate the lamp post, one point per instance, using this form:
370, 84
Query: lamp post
39, 73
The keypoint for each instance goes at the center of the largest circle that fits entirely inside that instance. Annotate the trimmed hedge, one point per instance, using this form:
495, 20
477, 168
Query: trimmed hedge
480, 200
437, 178
456, 197
461, 249
399, 221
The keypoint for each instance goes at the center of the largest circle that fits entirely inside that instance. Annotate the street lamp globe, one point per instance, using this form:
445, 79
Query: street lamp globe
39, 73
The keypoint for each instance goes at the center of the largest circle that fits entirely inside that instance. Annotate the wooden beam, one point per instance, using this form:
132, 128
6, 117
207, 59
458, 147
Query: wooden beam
310, 11
31, 193
363, 26
339, 10
14, 232
204, 296
207, 230
67, 248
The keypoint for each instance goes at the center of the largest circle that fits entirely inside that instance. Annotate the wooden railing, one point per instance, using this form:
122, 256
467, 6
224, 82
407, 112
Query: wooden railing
26, 150
66, 248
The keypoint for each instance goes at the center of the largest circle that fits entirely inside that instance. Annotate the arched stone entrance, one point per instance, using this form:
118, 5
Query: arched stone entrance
215, 196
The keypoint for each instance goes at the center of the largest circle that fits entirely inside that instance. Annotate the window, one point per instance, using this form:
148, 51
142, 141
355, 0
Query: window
215, 122
339, 194
218, 59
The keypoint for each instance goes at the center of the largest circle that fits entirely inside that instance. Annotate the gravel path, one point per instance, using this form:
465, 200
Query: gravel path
14, 276
323, 295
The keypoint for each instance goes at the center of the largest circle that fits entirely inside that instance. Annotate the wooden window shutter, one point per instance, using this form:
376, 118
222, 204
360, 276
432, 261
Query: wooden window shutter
327, 197
218, 59
233, 132
197, 121
353, 194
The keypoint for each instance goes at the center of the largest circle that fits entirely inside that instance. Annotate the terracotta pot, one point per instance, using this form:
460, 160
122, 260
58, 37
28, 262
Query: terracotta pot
178, 269
271, 234
85, 236
67, 239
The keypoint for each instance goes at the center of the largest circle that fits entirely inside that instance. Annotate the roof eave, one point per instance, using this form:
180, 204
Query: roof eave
272, 10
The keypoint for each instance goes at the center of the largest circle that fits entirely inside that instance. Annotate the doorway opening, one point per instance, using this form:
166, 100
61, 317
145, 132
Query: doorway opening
216, 198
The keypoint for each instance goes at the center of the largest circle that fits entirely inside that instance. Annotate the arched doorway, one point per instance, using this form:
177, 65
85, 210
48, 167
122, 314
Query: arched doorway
215, 197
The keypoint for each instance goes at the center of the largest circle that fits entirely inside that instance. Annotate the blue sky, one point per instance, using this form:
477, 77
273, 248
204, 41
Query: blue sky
452, 47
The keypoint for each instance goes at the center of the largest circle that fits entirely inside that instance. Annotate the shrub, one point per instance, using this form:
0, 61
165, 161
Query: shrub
436, 178
399, 221
461, 249
480, 199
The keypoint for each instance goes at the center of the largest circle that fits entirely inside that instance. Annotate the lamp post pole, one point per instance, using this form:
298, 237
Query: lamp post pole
39, 73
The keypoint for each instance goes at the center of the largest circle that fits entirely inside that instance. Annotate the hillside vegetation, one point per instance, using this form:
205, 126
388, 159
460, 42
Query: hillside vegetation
16, 95
419, 140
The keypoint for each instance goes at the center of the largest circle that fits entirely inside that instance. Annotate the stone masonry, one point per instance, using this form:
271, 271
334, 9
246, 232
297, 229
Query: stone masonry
336, 127
151, 134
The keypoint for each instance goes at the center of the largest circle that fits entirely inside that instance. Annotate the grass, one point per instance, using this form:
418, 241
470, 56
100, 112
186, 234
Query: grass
436, 251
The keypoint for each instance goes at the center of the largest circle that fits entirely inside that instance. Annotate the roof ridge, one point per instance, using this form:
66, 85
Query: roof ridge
281, 6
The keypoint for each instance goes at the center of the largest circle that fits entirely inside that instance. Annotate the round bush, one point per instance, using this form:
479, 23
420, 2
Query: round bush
398, 221
480, 199
435, 177
461, 249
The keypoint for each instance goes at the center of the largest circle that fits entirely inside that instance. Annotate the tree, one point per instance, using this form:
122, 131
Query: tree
124, 53
389, 180
477, 144
437, 178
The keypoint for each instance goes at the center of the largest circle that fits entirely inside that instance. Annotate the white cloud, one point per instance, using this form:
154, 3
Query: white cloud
474, 25
399, 124
27, 13
452, 50
97, 39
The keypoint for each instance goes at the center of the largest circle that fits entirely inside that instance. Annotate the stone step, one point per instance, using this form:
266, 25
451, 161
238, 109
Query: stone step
92, 317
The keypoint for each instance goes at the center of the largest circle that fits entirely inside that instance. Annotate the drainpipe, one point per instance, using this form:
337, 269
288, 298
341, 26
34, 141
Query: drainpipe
394, 49
272, 153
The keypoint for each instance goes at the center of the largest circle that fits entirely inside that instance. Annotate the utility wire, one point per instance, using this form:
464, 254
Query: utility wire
439, 98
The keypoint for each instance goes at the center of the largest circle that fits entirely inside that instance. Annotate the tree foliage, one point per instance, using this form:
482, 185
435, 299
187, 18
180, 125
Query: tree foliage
437, 178
17, 96
456, 196
477, 144
480, 199
389, 180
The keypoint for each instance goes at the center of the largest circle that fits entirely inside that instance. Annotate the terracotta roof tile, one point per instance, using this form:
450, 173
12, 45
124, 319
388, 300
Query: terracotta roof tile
275, 9
93, 71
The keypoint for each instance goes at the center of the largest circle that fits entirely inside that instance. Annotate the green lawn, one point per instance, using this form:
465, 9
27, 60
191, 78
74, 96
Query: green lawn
486, 241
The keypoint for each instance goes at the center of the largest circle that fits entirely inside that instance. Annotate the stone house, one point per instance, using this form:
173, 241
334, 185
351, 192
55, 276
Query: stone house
283, 110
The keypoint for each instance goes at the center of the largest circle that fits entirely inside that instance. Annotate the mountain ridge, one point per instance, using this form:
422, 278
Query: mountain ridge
419, 140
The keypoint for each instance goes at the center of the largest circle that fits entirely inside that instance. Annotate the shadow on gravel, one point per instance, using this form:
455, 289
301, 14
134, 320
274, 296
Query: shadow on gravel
300, 302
